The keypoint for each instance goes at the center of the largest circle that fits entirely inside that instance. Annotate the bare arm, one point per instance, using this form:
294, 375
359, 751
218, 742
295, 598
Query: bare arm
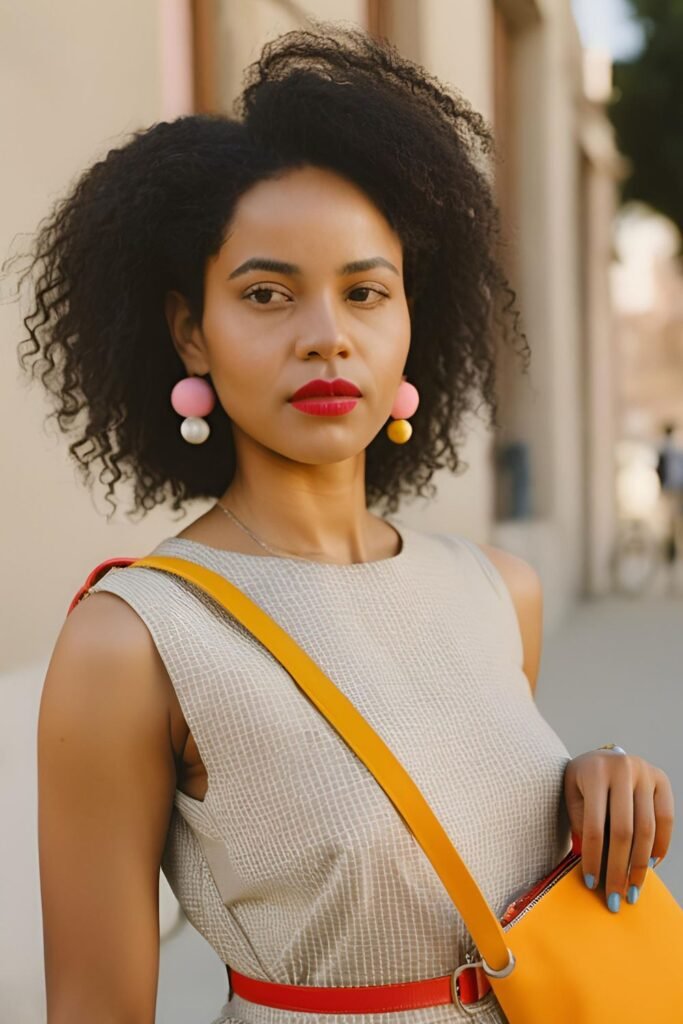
526, 592
106, 780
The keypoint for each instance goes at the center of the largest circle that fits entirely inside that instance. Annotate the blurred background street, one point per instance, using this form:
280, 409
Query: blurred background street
584, 478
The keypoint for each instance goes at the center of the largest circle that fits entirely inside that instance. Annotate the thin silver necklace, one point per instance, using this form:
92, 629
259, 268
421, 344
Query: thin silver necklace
255, 536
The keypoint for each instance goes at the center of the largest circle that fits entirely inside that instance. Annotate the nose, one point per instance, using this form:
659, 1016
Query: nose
322, 334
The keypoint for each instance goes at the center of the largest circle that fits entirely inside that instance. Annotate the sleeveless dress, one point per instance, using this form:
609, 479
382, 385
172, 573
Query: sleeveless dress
296, 867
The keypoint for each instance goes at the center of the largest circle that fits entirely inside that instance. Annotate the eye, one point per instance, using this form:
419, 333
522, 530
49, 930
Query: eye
365, 290
263, 294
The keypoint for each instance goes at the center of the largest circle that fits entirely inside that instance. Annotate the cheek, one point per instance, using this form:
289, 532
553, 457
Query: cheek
394, 343
243, 356
249, 384
403, 325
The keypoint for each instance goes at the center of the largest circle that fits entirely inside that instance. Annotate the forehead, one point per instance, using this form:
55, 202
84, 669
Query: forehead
309, 207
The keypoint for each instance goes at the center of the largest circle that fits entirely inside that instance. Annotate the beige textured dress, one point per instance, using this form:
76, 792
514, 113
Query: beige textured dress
296, 867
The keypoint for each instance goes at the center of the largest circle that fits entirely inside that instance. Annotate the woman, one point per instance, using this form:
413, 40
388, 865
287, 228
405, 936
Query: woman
339, 238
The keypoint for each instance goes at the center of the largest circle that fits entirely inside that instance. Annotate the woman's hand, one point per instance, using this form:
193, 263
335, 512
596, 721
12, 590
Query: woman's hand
638, 798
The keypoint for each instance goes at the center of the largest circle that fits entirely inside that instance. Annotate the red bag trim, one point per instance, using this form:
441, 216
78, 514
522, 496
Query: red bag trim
96, 574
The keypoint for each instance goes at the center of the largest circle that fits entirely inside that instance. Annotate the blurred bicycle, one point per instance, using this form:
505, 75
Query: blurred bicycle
649, 539
637, 557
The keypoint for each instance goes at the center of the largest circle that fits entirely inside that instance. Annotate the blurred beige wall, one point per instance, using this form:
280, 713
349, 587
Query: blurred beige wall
75, 78
563, 197
546, 79
601, 169
73, 83
454, 41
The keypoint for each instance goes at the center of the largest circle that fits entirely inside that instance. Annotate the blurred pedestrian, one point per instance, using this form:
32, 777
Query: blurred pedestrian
670, 473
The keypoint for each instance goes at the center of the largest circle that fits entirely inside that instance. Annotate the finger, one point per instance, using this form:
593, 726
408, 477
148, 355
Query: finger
664, 815
643, 836
593, 833
620, 835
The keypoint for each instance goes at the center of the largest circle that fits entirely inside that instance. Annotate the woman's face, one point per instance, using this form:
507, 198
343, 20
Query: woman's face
308, 284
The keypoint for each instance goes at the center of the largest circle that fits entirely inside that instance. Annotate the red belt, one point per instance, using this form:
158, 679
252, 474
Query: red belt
467, 984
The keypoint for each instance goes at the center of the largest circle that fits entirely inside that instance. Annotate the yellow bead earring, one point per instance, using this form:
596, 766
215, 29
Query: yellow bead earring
405, 403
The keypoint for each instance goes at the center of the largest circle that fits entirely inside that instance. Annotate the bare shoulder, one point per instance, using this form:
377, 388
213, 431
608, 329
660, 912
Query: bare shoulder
106, 782
105, 706
105, 635
520, 575
526, 591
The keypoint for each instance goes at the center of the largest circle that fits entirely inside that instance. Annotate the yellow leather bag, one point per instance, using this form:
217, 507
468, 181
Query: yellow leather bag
564, 958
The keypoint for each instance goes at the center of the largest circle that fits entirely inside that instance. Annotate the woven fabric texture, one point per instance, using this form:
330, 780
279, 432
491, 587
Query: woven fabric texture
296, 867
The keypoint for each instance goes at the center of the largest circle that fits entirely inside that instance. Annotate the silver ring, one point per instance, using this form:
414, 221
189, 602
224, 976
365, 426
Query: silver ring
613, 748
504, 971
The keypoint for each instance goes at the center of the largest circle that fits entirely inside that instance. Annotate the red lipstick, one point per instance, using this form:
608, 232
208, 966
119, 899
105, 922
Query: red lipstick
326, 397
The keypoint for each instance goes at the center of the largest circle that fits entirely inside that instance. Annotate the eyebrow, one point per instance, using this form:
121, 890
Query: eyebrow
279, 267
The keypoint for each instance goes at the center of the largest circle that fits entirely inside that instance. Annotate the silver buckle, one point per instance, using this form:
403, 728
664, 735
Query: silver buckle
470, 1008
473, 1008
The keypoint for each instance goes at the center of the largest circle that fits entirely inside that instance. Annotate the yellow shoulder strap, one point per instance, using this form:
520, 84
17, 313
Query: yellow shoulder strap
483, 926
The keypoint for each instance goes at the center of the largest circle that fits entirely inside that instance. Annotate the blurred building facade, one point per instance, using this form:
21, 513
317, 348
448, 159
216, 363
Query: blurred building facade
647, 285
543, 488
647, 292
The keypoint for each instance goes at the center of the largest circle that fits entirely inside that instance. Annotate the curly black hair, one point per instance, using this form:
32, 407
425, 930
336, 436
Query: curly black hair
147, 217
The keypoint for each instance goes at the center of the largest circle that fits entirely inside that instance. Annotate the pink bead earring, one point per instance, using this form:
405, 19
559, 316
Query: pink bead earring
405, 403
193, 398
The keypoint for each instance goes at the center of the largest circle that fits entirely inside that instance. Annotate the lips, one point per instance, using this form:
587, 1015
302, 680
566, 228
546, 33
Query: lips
320, 388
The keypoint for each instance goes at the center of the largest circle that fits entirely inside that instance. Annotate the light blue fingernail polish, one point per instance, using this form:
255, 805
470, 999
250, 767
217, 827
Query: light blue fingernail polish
614, 902
633, 894
589, 880
652, 861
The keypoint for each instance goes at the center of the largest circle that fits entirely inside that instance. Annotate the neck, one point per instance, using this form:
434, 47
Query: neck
311, 511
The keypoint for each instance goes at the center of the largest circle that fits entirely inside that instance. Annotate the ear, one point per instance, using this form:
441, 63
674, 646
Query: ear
186, 334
